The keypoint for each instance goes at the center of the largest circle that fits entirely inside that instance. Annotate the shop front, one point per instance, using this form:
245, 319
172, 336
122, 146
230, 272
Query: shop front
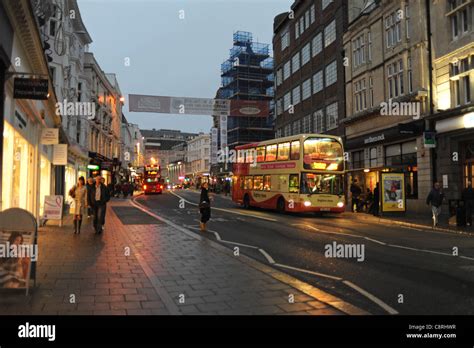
455, 152
100, 165
394, 150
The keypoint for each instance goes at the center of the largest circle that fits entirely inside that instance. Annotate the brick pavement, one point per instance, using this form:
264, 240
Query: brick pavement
156, 269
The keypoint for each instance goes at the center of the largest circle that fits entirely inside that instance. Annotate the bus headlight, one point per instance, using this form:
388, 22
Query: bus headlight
340, 204
307, 203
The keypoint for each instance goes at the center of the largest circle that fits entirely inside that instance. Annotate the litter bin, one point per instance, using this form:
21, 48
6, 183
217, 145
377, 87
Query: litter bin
457, 212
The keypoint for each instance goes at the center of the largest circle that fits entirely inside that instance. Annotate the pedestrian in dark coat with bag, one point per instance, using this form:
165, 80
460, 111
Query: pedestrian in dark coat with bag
97, 198
204, 206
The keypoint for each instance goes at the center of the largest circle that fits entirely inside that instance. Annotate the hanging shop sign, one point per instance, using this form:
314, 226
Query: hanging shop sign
50, 136
393, 192
28, 88
60, 154
429, 140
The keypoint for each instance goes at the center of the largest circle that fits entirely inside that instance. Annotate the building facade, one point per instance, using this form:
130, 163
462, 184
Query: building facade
69, 40
105, 127
387, 100
452, 26
27, 172
177, 164
309, 71
198, 156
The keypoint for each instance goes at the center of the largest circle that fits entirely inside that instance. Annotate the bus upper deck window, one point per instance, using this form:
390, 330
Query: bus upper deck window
284, 151
295, 150
261, 154
271, 153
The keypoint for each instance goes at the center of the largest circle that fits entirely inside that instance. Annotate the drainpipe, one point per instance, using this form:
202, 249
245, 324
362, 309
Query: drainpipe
430, 125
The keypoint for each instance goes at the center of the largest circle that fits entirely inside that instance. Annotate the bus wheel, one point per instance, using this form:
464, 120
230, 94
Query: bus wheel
281, 205
246, 202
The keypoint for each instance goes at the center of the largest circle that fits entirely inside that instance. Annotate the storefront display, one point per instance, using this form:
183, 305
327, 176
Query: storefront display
18, 164
45, 182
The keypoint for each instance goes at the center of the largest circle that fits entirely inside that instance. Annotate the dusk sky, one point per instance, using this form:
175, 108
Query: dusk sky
172, 56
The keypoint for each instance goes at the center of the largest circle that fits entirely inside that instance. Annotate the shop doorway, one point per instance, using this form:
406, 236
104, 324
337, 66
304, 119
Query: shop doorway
468, 166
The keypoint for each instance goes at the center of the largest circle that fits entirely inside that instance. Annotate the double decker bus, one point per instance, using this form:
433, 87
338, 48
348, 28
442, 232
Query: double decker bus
152, 181
301, 173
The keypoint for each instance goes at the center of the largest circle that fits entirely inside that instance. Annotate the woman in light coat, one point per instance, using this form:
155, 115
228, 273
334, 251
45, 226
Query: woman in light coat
79, 194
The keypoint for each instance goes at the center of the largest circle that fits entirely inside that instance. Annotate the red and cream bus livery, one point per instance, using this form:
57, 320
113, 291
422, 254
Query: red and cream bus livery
301, 173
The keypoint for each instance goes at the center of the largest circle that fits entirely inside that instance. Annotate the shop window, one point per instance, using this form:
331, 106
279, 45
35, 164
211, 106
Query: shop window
17, 170
267, 182
393, 155
358, 159
411, 183
258, 182
45, 181
373, 157
295, 150
294, 183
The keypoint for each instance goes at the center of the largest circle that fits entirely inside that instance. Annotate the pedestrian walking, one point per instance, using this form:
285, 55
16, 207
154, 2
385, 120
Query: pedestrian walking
125, 189
79, 194
356, 191
204, 206
468, 198
97, 198
90, 184
435, 198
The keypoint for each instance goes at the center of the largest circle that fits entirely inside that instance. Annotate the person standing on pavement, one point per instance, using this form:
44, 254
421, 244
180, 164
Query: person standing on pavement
468, 198
79, 194
376, 202
90, 184
435, 198
204, 206
97, 198
356, 192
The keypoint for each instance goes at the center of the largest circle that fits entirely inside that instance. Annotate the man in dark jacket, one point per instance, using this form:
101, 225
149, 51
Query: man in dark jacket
435, 198
356, 192
90, 184
468, 198
97, 198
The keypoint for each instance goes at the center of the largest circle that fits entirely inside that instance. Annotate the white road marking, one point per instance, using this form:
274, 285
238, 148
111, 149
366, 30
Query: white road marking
375, 241
267, 256
328, 232
421, 250
365, 293
383, 243
227, 210
467, 257
371, 297
218, 237
239, 244
309, 272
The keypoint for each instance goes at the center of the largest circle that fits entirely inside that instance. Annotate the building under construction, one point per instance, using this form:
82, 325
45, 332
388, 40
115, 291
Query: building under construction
248, 75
